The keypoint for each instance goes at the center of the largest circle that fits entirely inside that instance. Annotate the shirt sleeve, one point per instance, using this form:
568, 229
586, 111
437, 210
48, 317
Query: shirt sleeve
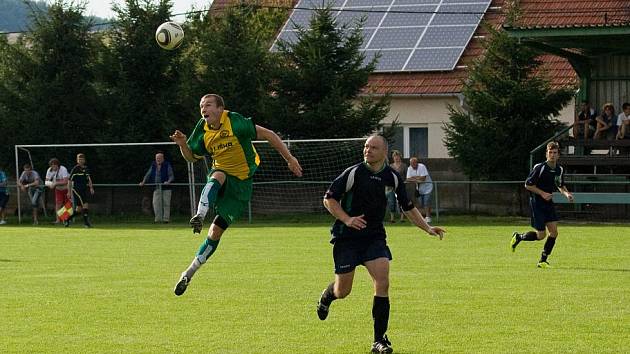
243, 128
196, 142
338, 187
422, 170
410, 172
401, 194
532, 179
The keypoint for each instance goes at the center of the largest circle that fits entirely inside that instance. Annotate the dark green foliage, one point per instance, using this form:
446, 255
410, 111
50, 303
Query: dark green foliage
47, 90
319, 79
230, 57
510, 110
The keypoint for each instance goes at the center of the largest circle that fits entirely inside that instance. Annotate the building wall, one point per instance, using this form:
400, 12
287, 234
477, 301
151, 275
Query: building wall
431, 113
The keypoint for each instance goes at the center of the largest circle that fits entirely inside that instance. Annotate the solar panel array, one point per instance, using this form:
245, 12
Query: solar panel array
410, 35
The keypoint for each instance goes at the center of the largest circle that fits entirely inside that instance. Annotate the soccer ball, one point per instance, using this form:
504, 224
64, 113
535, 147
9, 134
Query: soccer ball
169, 35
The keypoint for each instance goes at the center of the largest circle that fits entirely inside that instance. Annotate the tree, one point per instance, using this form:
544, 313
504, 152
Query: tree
46, 82
319, 80
230, 57
511, 109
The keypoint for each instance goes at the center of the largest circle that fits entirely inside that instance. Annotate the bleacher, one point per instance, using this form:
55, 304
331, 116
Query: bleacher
598, 175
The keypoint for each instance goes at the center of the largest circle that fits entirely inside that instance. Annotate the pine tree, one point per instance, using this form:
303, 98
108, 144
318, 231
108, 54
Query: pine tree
319, 80
510, 109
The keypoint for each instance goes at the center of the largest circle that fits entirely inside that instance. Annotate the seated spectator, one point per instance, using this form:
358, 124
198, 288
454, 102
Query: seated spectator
585, 122
605, 121
623, 123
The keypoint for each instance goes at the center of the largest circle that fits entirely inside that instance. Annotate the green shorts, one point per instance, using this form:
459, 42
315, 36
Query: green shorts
233, 198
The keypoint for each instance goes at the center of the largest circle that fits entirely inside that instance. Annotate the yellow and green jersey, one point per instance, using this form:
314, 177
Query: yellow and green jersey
230, 146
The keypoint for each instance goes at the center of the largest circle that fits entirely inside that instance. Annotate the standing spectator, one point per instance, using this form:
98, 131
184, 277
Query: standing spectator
4, 196
161, 174
585, 121
544, 179
419, 174
399, 166
623, 122
57, 180
30, 180
79, 183
605, 121
356, 199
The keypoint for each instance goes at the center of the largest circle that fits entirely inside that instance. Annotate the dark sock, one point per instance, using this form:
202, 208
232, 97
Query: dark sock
85, 217
529, 236
329, 294
551, 241
380, 314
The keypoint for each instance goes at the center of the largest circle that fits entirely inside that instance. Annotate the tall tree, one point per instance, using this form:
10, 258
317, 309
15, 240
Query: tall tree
511, 104
320, 78
230, 57
47, 81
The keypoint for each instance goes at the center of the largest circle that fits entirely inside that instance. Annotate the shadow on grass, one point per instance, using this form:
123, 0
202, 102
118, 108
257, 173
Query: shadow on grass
8, 260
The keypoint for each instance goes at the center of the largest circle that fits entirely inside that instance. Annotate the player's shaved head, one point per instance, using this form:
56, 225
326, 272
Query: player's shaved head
375, 150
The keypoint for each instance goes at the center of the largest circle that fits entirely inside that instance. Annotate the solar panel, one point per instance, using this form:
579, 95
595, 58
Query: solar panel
409, 16
410, 35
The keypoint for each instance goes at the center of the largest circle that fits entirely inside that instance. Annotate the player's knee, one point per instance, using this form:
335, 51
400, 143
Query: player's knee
381, 286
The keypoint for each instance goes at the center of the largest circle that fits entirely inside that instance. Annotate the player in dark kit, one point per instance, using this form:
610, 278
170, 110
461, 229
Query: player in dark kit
358, 201
79, 183
544, 179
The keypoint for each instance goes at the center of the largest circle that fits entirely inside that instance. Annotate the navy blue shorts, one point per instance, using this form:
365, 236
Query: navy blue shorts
542, 213
348, 254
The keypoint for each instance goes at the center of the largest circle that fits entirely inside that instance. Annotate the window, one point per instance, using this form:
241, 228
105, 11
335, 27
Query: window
419, 142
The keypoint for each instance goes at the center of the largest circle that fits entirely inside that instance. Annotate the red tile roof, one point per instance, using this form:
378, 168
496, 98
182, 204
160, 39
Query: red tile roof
572, 13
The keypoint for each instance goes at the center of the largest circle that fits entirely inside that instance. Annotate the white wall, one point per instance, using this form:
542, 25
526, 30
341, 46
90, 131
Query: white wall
431, 113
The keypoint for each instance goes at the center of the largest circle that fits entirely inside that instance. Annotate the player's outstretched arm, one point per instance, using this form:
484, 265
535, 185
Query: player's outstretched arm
417, 219
276, 142
180, 139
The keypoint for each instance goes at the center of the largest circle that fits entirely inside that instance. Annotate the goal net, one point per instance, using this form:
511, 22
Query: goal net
118, 168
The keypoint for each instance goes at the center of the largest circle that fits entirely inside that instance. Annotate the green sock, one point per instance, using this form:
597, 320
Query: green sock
206, 250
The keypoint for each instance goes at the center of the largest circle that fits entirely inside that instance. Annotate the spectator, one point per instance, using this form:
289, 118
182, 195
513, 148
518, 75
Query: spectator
78, 184
605, 121
30, 180
399, 166
4, 196
418, 173
585, 122
57, 180
161, 174
623, 122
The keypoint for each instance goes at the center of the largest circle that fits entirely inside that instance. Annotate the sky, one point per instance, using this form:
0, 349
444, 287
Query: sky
102, 8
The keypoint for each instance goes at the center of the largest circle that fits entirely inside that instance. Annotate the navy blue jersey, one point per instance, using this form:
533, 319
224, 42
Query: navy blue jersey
360, 191
79, 177
545, 178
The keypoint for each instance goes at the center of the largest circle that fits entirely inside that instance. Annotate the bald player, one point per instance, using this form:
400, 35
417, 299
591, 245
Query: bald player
358, 201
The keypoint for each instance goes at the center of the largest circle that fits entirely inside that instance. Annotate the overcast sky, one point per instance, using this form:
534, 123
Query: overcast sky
102, 8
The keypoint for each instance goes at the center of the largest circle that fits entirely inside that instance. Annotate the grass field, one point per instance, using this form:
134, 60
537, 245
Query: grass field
109, 290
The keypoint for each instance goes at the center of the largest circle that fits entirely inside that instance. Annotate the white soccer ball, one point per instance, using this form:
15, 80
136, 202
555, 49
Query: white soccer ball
169, 35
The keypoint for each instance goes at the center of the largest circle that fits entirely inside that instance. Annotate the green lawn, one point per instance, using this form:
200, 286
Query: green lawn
109, 290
